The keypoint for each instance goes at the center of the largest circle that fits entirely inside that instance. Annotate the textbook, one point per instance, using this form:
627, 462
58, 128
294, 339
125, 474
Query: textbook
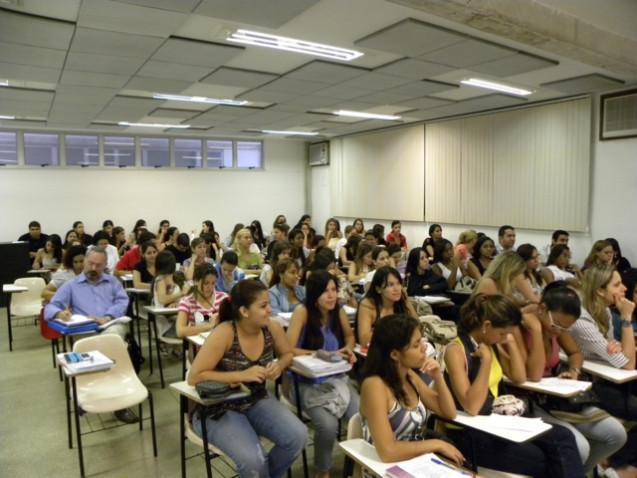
78, 320
85, 362
315, 367
428, 465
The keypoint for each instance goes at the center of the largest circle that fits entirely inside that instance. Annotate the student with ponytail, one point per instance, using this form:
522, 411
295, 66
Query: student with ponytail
242, 349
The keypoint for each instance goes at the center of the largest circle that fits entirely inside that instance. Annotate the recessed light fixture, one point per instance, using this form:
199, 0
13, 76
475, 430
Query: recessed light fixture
4, 82
154, 125
492, 85
292, 44
200, 99
299, 133
6, 117
362, 114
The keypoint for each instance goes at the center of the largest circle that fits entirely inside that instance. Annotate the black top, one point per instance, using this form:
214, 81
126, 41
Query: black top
417, 282
479, 265
146, 276
34, 244
87, 240
180, 256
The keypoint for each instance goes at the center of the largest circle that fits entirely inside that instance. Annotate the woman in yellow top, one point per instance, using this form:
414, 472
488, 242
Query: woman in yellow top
248, 260
476, 361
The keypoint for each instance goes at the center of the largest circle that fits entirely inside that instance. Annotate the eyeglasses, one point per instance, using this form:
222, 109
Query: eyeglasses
557, 327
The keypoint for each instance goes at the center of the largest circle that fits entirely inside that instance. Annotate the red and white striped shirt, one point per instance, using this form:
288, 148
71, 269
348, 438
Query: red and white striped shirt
191, 307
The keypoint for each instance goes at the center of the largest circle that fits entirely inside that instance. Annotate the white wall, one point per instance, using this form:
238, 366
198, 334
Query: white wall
57, 197
613, 195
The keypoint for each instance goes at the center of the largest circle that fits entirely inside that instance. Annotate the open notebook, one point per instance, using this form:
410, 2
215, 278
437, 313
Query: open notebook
428, 465
78, 320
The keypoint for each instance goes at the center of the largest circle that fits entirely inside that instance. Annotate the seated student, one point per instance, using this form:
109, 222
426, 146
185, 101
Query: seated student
476, 361
380, 258
181, 248
296, 239
121, 242
35, 238
72, 265
165, 292
281, 250
484, 250
258, 238
229, 240
347, 253
531, 257
320, 323
395, 402
397, 258
162, 232
323, 260
50, 256
85, 239
559, 236
602, 288
559, 268
199, 311
384, 297
107, 227
70, 239
420, 278
448, 263
279, 233
100, 239
242, 349
97, 295
211, 237
228, 274
362, 263
395, 237
198, 248
371, 238
466, 243
379, 232
332, 233
128, 261
435, 234
241, 246
506, 239
620, 262
285, 292
144, 271
359, 226
505, 276
601, 254
539, 339
631, 295
169, 238
308, 237
340, 244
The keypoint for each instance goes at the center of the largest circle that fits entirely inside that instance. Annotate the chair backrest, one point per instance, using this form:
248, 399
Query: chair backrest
355, 427
32, 296
111, 345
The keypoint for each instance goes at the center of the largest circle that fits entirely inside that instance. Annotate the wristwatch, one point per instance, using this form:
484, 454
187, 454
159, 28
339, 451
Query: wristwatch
626, 323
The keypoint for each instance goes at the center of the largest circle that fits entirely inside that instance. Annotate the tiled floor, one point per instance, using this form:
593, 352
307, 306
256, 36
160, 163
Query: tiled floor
33, 438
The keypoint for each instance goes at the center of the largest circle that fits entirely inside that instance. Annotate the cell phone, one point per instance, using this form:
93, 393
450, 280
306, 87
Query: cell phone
72, 357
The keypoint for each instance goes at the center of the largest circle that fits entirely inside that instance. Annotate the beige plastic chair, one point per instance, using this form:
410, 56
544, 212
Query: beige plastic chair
29, 303
115, 389
355, 430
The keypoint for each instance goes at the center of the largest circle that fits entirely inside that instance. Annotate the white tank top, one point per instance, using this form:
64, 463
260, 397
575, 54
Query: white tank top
559, 274
446, 272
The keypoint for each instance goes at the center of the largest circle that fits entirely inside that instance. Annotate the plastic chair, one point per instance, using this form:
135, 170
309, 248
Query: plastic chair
51, 335
354, 430
115, 389
29, 303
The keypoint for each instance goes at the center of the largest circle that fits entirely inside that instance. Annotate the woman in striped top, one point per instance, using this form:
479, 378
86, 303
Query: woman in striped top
198, 312
395, 400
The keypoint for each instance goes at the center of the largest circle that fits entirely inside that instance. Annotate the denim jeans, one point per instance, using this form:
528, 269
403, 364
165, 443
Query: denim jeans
237, 435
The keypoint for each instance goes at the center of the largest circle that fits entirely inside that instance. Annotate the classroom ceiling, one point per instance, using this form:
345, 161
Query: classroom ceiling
88, 64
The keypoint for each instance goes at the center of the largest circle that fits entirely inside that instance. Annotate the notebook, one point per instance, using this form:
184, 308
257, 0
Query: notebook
85, 362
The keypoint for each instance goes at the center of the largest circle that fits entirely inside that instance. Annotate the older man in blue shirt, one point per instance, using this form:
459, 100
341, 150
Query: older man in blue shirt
97, 295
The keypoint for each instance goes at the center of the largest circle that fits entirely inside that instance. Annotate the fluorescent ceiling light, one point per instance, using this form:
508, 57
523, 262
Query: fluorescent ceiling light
292, 44
300, 133
5, 117
200, 99
4, 82
492, 85
362, 114
154, 125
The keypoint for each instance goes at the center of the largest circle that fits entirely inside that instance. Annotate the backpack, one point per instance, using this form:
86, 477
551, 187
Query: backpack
437, 330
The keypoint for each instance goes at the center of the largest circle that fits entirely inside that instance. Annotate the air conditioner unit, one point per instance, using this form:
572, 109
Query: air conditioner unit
619, 115
319, 154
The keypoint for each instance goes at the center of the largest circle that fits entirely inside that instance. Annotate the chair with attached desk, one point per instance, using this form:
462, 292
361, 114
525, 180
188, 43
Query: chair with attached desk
115, 389
25, 304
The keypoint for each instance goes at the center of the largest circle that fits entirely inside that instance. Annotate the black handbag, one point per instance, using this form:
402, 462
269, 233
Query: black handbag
211, 390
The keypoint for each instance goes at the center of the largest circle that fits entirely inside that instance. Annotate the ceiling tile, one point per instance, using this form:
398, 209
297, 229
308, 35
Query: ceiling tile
271, 14
290, 85
343, 92
513, 65
584, 84
86, 78
268, 96
13, 71
157, 85
38, 109
382, 98
238, 77
325, 72
19, 94
467, 53
375, 81
194, 52
213, 91
172, 113
173, 71
34, 31
84, 94
88, 40
424, 103
124, 108
312, 101
413, 69
410, 38
184, 6
420, 88
29, 55
102, 63
121, 17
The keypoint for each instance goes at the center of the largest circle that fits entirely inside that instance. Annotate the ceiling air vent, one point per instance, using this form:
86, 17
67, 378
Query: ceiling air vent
619, 115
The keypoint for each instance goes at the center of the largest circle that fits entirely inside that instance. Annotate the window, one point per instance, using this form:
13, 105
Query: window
41, 149
155, 152
81, 150
249, 154
8, 148
187, 153
219, 154
119, 151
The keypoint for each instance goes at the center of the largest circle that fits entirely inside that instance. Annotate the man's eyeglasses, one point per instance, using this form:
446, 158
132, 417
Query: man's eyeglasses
557, 327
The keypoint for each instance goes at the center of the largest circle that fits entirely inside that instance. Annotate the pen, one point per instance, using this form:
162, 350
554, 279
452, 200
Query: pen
440, 462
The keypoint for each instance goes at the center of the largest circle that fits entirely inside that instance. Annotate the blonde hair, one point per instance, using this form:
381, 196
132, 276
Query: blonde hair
598, 246
235, 243
467, 236
503, 269
597, 278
